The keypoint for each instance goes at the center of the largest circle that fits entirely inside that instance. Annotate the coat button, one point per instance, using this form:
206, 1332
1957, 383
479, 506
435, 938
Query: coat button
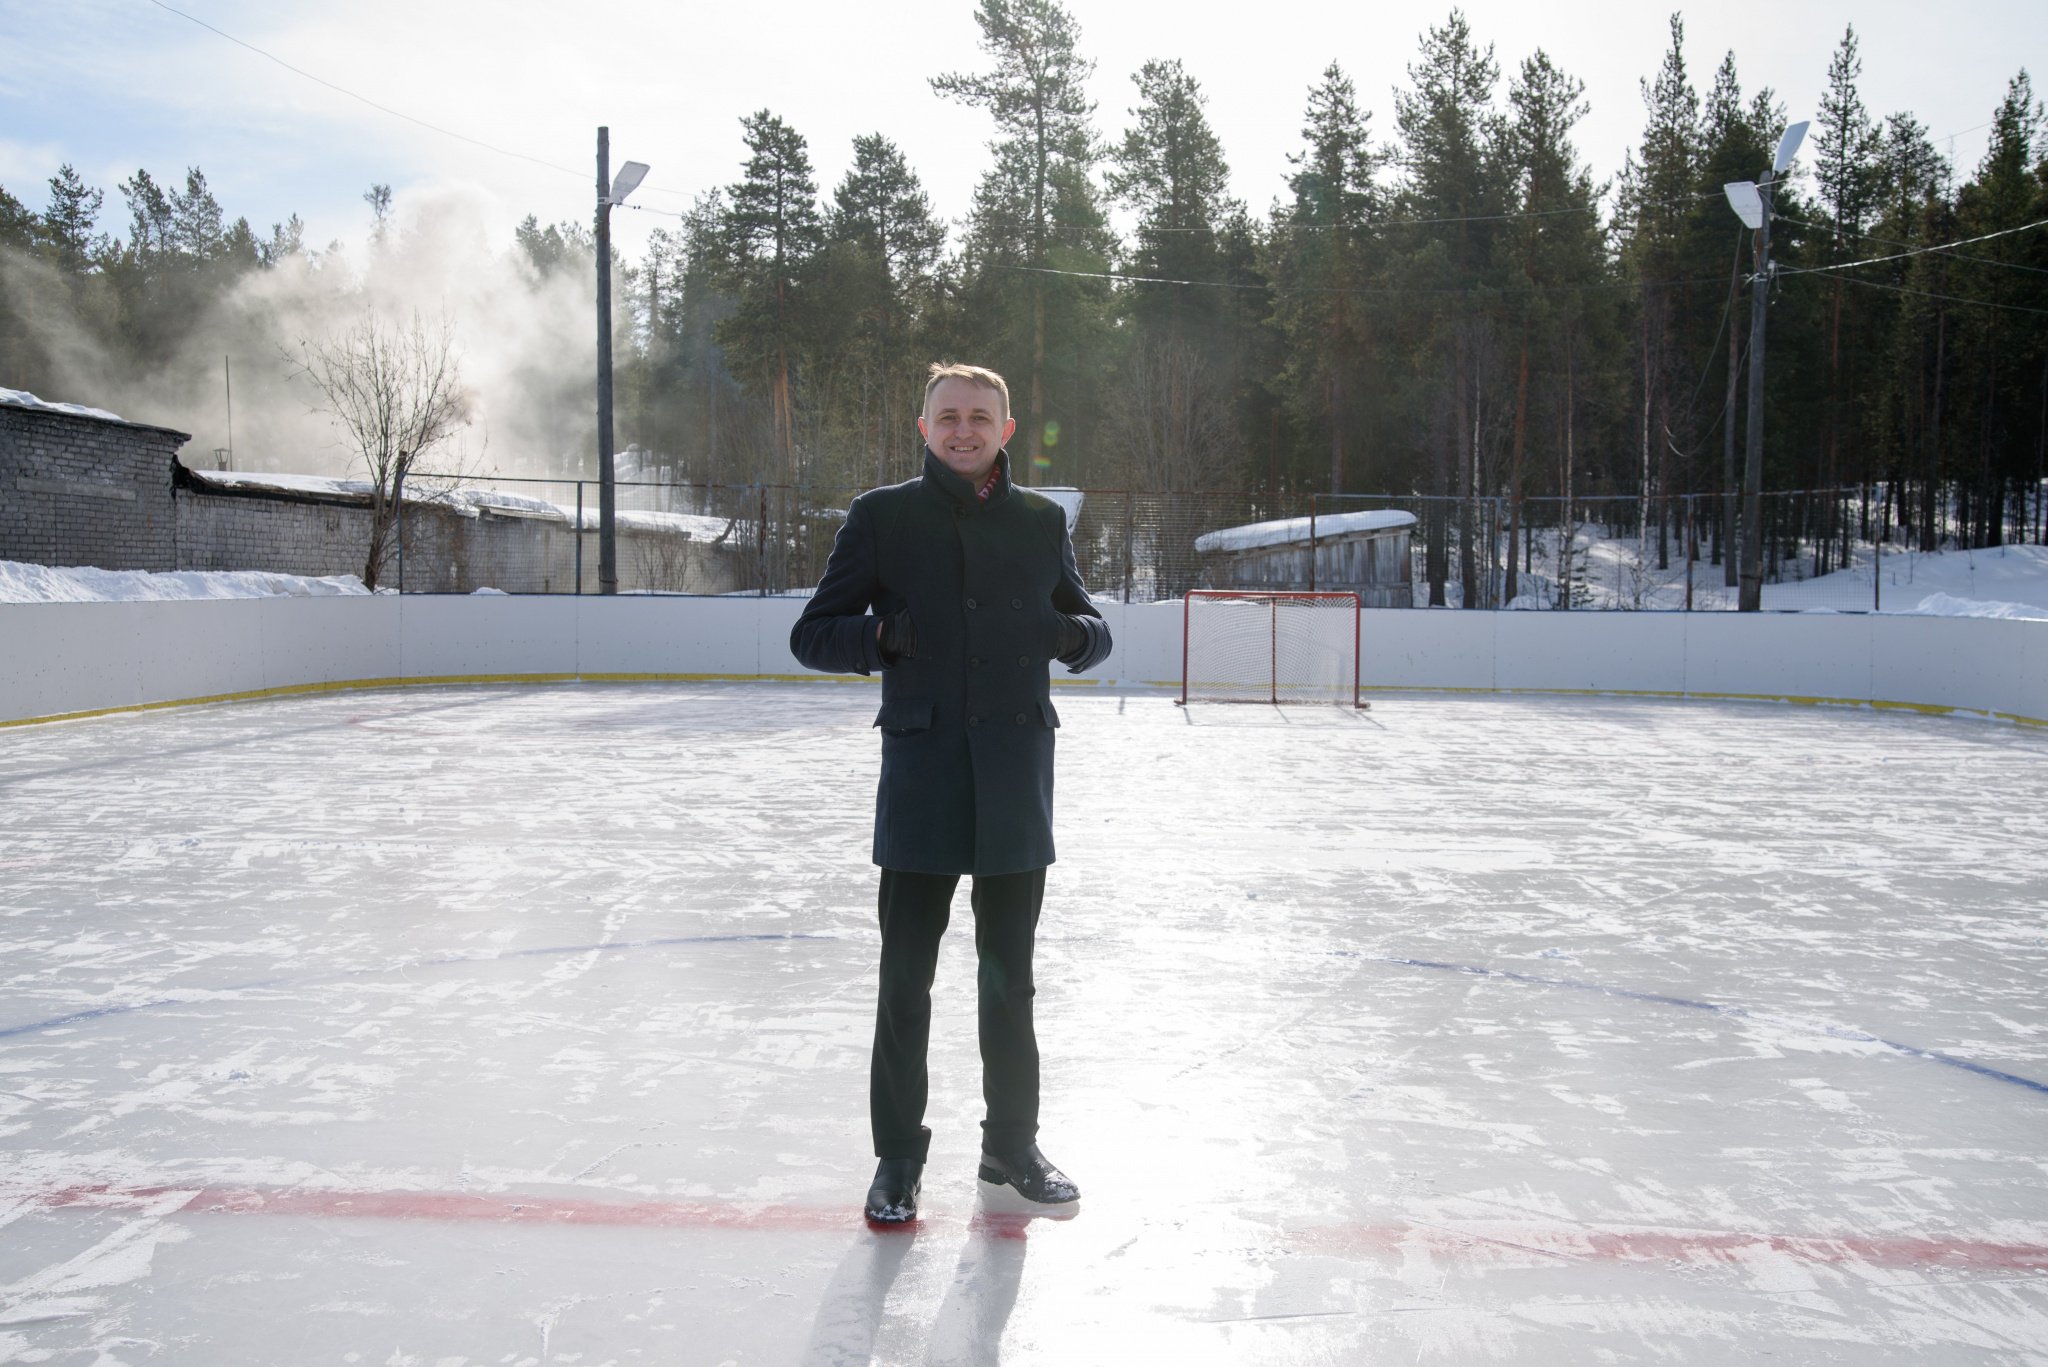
971, 604
974, 662
1020, 719
1016, 602
974, 721
1024, 660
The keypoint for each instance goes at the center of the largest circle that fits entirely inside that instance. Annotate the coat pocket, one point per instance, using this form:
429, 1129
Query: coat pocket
1052, 718
904, 716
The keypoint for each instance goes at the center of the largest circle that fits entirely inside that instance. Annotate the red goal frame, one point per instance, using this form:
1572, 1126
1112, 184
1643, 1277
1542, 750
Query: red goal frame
1275, 597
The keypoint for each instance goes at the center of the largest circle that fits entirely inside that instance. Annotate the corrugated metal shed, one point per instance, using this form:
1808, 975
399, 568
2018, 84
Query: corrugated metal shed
1365, 553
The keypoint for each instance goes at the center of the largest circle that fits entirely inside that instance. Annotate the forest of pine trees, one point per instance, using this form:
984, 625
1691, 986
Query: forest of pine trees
1441, 299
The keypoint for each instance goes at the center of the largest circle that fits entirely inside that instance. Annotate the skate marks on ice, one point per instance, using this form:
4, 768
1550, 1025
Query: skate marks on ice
535, 1027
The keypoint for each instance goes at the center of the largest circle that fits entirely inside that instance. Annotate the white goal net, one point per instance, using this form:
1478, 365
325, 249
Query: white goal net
1270, 647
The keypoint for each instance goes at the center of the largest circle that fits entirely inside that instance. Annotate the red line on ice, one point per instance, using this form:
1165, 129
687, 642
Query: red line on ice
1495, 1242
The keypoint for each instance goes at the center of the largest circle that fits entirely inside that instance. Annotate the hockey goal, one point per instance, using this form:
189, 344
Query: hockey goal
1270, 647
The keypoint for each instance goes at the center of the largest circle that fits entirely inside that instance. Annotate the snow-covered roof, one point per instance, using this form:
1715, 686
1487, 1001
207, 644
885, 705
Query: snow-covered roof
279, 482
1287, 530
21, 398
470, 500
1069, 499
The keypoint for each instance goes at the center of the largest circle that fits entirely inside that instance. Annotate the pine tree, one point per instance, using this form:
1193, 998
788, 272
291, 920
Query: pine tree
773, 230
1452, 192
68, 222
197, 230
1323, 259
18, 223
1037, 210
1657, 200
1556, 254
2001, 347
886, 249
1734, 148
1170, 169
1179, 427
1845, 173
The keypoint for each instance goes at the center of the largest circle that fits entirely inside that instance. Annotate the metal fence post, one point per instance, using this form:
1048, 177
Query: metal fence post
1312, 498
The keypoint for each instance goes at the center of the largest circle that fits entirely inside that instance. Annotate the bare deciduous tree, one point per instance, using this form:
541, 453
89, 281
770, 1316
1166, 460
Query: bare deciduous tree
396, 392
1173, 431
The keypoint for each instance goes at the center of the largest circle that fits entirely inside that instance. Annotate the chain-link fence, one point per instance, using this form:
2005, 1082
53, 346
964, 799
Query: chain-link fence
1845, 549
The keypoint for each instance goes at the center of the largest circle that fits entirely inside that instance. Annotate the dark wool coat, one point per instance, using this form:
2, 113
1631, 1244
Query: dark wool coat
967, 725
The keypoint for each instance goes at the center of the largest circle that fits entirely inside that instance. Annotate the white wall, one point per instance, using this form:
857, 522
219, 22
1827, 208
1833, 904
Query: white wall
66, 659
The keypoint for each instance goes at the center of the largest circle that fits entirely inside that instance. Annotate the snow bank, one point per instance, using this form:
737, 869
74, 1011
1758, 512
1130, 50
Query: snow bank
1946, 605
21, 583
21, 398
1282, 531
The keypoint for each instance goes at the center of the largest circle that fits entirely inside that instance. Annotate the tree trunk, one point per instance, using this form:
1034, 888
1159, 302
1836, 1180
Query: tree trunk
1034, 442
1468, 457
1724, 547
1568, 525
1513, 584
1930, 539
1336, 393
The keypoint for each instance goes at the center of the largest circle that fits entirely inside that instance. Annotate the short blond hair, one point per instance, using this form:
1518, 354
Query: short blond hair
942, 371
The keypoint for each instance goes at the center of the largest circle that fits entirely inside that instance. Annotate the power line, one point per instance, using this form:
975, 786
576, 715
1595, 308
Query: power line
1917, 251
1371, 227
380, 108
1385, 290
397, 113
1894, 242
1945, 298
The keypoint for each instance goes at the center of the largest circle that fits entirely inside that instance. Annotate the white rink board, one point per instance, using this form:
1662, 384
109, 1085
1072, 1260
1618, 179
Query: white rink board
74, 658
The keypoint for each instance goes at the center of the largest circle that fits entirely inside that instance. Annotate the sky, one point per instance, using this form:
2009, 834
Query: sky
112, 85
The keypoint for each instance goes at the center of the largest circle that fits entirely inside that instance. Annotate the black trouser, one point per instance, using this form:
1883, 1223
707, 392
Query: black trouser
915, 908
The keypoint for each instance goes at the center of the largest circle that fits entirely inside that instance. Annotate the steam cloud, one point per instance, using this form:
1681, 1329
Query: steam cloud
525, 343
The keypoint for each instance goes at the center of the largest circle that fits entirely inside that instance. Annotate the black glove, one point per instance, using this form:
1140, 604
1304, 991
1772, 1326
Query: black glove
1073, 636
897, 637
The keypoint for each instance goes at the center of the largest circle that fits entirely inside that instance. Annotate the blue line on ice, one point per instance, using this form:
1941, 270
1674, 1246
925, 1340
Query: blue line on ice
56, 1022
1737, 1012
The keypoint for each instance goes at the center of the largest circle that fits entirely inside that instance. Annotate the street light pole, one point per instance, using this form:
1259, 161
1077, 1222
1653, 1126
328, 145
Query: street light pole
609, 192
1750, 597
1752, 204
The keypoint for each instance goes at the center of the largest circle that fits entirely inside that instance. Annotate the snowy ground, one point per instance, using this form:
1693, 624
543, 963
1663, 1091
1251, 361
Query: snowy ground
2005, 581
2001, 581
529, 1025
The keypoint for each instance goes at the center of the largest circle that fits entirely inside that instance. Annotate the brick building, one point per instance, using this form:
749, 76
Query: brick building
80, 487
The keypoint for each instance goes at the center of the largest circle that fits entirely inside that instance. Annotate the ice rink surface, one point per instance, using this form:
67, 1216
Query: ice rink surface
530, 1025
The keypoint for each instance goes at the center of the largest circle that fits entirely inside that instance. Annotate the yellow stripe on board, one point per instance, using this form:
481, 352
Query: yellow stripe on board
461, 680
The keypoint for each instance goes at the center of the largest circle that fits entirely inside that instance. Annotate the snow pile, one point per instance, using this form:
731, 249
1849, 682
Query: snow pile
21, 583
1286, 530
21, 398
1999, 581
1947, 605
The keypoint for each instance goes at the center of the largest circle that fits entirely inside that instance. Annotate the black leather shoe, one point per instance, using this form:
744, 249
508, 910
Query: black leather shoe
1028, 1171
892, 1200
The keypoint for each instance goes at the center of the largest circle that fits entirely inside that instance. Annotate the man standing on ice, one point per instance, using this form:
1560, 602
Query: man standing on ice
961, 588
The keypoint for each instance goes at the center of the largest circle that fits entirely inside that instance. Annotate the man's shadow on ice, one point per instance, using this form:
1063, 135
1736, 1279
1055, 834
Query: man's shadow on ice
968, 1328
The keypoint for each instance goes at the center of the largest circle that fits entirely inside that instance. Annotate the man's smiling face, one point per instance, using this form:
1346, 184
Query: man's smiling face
966, 425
